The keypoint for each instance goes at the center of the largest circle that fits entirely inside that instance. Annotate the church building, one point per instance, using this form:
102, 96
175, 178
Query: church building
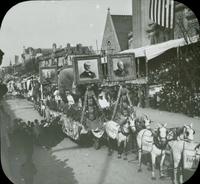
115, 37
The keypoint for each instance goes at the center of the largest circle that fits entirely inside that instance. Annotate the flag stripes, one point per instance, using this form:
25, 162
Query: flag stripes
162, 12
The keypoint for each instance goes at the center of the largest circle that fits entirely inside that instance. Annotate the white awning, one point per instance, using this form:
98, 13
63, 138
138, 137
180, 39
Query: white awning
153, 51
139, 52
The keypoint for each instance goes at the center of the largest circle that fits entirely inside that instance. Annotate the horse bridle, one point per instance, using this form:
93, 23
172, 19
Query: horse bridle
160, 140
121, 129
185, 133
175, 133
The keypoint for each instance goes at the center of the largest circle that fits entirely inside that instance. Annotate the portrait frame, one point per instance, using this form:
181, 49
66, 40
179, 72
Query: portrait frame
77, 73
53, 79
131, 67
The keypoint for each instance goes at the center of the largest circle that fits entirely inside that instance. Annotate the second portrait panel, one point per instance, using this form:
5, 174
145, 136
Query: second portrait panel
121, 67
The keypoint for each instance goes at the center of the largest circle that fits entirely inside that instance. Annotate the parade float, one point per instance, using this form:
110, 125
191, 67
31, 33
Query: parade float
90, 96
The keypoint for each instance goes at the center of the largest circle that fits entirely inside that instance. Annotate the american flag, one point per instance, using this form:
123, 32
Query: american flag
162, 12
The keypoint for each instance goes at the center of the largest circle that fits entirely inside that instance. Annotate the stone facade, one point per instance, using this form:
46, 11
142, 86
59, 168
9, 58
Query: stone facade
145, 32
140, 37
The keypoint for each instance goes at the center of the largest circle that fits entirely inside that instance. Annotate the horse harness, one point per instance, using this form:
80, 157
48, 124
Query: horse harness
121, 130
156, 142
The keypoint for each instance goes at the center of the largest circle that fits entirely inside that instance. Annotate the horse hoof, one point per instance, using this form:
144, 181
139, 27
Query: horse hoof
119, 156
109, 154
139, 170
153, 178
125, 158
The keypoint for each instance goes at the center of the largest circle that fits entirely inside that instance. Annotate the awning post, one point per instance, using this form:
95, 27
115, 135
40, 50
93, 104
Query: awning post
147, 84
138, 67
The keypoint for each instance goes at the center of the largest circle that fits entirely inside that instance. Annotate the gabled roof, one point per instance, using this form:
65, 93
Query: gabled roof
123, 26
83, 50
44, 51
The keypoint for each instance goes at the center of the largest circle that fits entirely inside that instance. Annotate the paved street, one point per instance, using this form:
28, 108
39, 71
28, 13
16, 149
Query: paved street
172, 119
68, 163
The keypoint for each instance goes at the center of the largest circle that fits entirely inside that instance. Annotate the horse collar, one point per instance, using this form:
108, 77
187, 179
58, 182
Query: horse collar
159, 144
123, 132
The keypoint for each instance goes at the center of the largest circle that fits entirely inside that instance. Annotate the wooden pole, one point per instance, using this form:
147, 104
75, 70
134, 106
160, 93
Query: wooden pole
129, 100
178, 59
84, 105
41, 87
118, 99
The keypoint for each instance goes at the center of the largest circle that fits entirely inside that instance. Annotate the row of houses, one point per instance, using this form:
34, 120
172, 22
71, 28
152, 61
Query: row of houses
33, 58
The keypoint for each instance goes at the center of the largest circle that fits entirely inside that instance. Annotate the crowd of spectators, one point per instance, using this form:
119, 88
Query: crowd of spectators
177, 93
176, 99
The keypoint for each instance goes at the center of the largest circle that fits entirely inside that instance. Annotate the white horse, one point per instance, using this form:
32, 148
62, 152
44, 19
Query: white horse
179, 137
153, 143
120, 133
138, 123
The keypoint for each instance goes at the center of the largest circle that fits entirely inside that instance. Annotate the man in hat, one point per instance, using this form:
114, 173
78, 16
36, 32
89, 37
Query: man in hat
1, 56
87, 73
3, 87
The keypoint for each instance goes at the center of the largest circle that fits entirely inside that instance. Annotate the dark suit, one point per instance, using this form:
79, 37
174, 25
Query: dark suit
3, 90
120, 73
88, 74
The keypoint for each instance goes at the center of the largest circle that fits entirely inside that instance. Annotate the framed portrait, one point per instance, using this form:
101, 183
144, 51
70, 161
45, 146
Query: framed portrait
87, 69
48, 75
121, 67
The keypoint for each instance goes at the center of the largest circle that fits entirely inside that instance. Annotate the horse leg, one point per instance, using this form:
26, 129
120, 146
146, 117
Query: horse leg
120, 148
126, 148
134, 140
139, 159
153, 161
181, 173
109, 146
161, 165
176, 163
175, 176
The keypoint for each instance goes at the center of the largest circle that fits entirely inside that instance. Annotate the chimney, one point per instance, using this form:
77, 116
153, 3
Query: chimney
24, 50
68, 48
68, 45
54, 47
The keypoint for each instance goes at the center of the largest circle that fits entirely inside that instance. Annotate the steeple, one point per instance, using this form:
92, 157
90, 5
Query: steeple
109, 10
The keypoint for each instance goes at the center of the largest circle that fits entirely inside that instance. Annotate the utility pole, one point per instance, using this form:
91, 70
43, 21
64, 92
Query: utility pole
97, 45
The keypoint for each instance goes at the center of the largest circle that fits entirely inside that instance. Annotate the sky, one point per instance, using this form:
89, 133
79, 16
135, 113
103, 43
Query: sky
39, 24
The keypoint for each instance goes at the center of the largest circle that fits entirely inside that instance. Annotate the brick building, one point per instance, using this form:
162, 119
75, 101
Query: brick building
63, 56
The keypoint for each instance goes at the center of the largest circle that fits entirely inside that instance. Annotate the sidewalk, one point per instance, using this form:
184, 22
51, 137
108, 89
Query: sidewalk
49, 170
21, 108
